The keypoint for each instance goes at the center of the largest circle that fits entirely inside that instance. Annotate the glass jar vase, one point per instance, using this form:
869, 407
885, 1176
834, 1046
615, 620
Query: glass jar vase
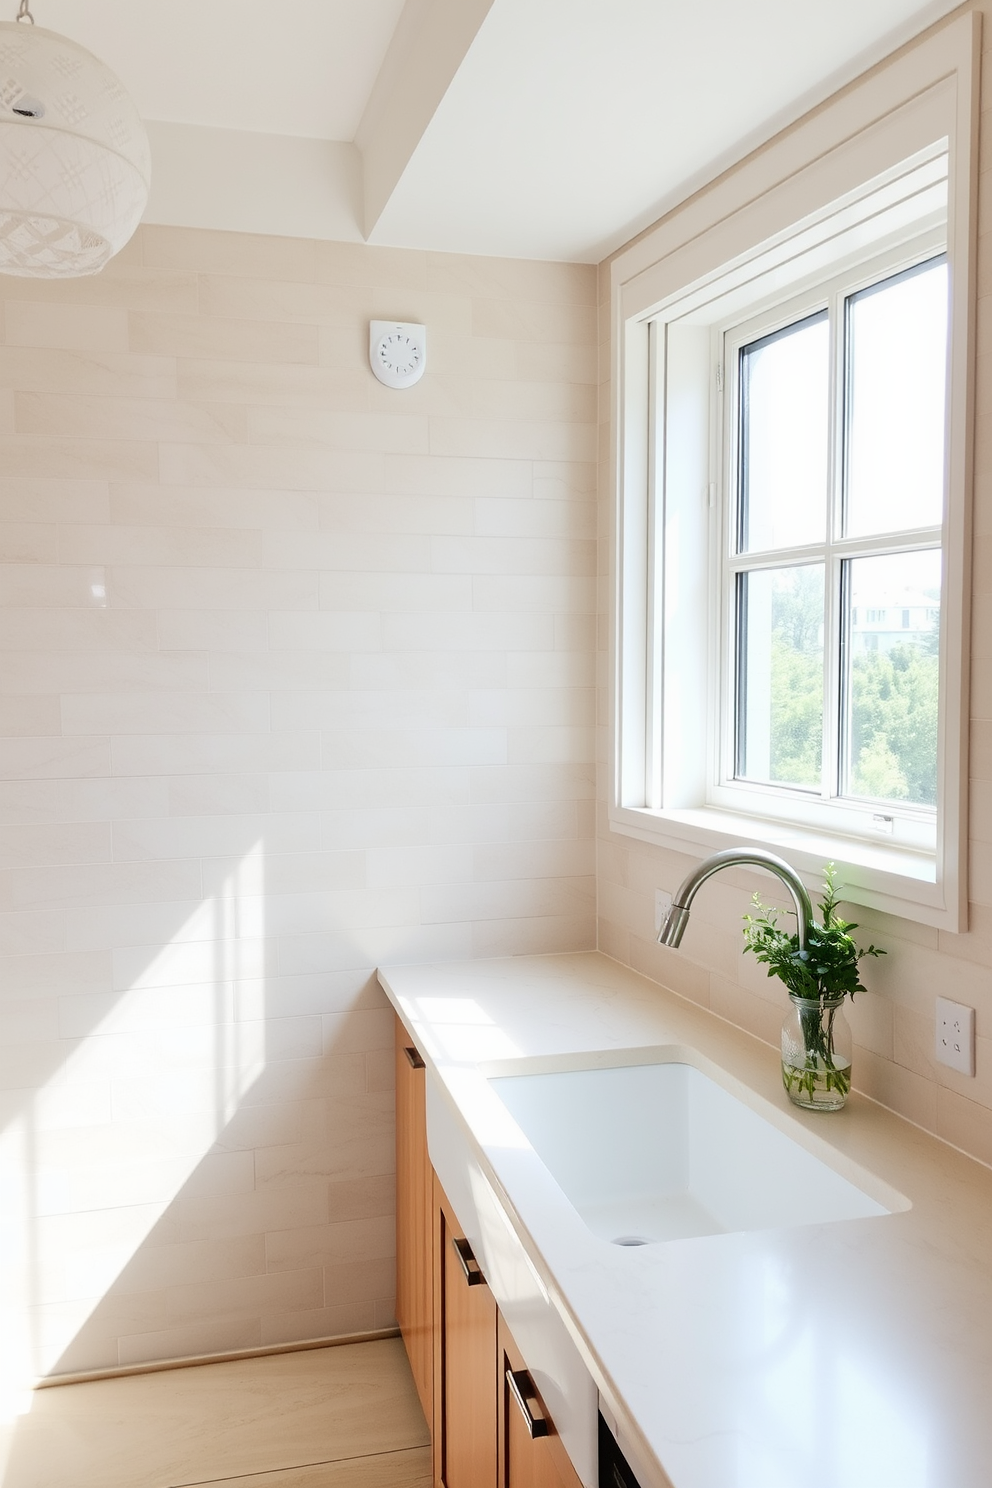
816, 1053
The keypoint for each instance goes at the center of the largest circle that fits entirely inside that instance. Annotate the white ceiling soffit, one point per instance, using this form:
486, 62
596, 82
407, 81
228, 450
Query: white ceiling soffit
284, 67
572, 124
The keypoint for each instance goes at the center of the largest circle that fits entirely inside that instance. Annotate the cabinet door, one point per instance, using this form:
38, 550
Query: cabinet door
531, 1454
466, 1322
414, 1219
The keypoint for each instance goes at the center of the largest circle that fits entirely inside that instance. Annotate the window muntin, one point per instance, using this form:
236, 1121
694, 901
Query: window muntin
830, 673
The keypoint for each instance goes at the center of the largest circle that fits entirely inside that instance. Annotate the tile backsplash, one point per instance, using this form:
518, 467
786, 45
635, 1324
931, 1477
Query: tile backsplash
297, 678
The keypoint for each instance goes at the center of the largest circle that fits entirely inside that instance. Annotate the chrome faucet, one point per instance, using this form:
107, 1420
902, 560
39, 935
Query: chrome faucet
736, 857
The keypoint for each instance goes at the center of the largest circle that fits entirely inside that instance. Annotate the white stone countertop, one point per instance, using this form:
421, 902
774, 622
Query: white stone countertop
855, 1354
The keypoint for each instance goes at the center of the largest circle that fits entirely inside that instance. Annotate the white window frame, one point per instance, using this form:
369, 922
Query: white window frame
856, 179
907, 826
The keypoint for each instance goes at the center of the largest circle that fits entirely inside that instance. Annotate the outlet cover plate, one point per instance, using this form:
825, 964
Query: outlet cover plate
662, 904
956, 1036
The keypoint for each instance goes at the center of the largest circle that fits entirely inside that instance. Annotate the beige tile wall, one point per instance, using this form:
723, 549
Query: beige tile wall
894, 1024
297, 677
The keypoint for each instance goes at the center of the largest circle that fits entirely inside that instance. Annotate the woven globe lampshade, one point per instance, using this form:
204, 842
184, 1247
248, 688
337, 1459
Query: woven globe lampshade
75, 165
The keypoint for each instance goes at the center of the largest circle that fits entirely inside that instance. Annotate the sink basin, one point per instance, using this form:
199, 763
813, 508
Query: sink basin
653, 1152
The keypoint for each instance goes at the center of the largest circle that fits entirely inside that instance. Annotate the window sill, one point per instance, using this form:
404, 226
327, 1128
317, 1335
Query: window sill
891, 879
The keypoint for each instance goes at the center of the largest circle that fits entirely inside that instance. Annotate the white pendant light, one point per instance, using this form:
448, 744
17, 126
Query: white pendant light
74, 159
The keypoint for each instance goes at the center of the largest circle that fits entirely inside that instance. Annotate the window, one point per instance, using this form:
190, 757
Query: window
793, 384
833, 497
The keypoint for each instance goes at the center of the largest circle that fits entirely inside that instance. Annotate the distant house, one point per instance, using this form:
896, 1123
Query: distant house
899, 617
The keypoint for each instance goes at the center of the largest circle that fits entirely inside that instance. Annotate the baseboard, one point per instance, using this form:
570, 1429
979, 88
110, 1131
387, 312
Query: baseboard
192, 1361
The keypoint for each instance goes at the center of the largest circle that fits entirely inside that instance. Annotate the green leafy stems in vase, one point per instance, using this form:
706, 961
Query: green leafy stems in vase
816, 1039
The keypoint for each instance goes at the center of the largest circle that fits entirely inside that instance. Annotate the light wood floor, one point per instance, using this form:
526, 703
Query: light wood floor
343, 1417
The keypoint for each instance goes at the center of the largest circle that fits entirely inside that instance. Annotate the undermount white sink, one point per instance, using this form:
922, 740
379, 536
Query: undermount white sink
649, 1152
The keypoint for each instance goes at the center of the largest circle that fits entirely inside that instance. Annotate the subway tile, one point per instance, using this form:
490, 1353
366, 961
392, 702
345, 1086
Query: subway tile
375, 748
28, 542
280, 299
513, 439
54, 672
52, 586
332, 1244
167, 713
463, 477
214, 630
220, 339
515, 592
541, 517
102, 883
280, 672
74, 459
29, 715
35, 501
295, 428
342, 513
268, 468
61, 416
207, 753
97, 328
513, 279
513, 556
131, 286
267, 384
55, 844
133, 587
156, 1267
534, 935
534, 320
504, 631
351, 264
79, 630
88, 370
198, 509
53, 758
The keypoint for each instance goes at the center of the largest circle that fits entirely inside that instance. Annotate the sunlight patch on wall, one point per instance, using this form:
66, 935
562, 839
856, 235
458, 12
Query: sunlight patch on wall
96, 1157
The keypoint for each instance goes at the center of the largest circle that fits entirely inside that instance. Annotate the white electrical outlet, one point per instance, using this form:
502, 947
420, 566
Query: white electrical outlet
956, 1036
662, 904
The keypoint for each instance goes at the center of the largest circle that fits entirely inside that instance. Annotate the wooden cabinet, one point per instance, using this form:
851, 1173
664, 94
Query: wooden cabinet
414, 1220
530, 1452
488, 1426
465, 1361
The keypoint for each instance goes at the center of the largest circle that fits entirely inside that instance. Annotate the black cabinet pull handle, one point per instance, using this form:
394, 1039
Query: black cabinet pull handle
415, 1060
471, 1267
522, 1389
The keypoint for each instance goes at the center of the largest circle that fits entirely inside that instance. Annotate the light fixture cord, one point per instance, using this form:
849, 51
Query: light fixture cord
24, 12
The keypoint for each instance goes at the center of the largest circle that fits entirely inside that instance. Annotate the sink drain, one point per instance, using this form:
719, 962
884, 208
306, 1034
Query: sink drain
632, 1240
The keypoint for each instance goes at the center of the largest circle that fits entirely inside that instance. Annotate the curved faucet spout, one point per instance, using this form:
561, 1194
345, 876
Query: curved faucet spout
737, 857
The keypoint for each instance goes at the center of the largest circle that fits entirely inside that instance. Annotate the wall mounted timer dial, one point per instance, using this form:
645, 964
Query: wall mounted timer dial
397, 352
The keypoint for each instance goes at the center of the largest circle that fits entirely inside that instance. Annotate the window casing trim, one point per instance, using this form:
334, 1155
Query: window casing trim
784, 199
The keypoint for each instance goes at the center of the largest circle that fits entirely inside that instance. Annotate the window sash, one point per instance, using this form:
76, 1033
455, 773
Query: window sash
832, 808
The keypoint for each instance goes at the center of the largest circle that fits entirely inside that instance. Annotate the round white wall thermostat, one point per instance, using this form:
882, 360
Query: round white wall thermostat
397, 352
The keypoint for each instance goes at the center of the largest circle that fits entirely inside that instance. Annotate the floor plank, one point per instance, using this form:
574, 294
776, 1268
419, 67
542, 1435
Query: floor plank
221, 1421
389, 1470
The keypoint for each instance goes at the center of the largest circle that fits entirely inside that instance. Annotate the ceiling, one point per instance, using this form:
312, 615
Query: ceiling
296, 67
531, 128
